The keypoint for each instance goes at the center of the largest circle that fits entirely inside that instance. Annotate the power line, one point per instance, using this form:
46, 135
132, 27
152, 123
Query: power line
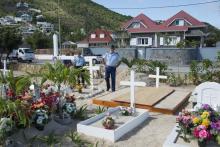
171, 6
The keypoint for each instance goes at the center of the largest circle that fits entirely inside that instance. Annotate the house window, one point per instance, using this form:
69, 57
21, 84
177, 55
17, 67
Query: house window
179, 22
172, 40
136, 25
142, 41
93, 35
102, 35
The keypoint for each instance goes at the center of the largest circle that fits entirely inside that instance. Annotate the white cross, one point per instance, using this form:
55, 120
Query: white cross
4, 68
132, 85
3, 87
157, 77
91, 69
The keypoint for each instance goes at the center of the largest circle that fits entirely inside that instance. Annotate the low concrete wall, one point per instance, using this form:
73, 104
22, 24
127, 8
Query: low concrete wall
25, 67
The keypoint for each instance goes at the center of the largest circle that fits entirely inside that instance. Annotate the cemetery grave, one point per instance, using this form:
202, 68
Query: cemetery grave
160, 99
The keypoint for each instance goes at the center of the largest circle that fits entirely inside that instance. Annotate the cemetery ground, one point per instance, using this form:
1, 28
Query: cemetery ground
152, 132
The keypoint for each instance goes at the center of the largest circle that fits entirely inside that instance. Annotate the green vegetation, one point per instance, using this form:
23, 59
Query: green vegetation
39, 40
214, 35
10, 39
75, 15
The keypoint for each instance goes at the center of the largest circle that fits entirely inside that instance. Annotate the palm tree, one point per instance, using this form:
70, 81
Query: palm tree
59, 74
129, 63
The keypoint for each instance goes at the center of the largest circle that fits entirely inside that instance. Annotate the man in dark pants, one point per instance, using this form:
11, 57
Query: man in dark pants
111, 61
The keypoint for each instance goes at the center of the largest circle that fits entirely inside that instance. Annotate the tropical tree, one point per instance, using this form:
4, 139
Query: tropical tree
10, 38
39, 40
59, 74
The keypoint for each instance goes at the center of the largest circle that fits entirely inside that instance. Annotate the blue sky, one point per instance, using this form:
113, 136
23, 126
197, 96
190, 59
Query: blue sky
208, 13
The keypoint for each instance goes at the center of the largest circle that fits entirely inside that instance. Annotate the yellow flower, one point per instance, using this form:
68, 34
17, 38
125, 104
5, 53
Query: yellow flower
196, 120
205, 122
205, 115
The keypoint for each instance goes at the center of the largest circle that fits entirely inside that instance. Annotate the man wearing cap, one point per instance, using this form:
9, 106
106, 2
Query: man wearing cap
111, 61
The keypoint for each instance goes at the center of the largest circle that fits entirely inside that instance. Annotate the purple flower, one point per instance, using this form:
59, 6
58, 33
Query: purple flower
205, 106
215, 125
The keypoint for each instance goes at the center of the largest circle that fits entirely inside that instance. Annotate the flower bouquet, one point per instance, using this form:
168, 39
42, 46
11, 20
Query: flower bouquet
203, 125
40, 119
126, 111
108, 122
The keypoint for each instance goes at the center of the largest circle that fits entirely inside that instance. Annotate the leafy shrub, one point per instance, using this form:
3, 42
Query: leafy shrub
100, 109
81, 113
153, 64
174, 80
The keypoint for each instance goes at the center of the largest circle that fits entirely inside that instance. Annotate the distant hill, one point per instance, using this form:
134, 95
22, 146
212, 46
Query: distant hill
74, 14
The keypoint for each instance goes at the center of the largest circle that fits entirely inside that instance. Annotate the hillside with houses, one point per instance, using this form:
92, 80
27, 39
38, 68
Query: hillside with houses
91, 25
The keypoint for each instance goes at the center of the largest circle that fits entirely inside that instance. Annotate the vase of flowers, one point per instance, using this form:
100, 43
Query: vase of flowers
69, 108
108, 122
203, 125
40, 119
126, 111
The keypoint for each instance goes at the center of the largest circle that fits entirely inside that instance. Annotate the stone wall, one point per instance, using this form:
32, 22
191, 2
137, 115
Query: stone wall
25, 67
174, 56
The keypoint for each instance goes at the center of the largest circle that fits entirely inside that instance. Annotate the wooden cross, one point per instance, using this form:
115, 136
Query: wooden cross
91, 69
157, 77
132, 85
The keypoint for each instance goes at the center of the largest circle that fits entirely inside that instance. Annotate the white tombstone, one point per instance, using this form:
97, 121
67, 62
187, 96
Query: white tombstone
55, 46
207, 93
91, 69
132, 85
157, 77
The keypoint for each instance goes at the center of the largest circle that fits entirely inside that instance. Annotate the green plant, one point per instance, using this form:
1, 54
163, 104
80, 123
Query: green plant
194, 72
128, 63
81, 113
76, 139
100, 109
58, 73
174, 80
153, 64
50, 140
141, 65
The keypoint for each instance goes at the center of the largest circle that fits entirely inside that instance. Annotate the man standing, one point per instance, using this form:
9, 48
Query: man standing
79, 62
111, 61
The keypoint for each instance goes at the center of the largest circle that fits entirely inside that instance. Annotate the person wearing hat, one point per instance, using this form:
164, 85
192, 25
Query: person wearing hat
79, 62
111, 61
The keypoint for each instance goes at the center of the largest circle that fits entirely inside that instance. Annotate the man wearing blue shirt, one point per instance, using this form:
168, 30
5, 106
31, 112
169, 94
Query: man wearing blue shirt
111, 61
79, 62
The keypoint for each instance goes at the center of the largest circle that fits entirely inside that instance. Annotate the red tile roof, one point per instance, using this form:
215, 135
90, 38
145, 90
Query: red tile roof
164, 27
183, 15
107, 36
141, 18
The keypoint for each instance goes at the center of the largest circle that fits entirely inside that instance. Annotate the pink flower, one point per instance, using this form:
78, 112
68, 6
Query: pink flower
204, 134
201, 127
196, 133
